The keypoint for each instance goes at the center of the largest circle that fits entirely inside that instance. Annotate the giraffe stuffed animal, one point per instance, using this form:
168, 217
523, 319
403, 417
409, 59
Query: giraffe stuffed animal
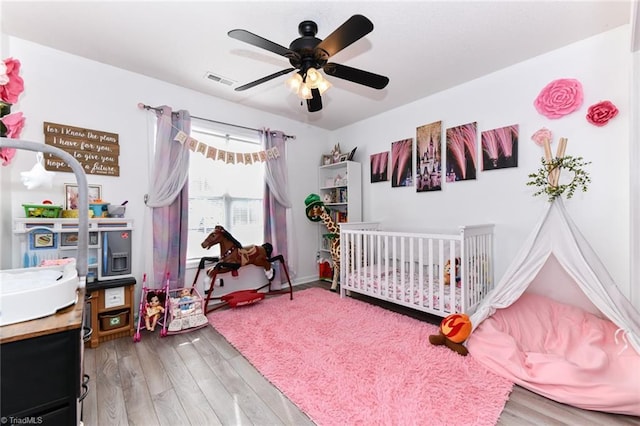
316, 212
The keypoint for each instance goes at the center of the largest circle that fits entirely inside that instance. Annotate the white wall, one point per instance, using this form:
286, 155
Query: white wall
67, 89
501, 197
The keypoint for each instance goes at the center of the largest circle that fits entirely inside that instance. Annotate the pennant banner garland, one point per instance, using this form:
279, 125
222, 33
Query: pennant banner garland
227, 156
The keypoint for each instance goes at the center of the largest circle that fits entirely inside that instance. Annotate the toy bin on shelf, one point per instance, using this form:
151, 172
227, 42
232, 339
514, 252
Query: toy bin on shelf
116, 211
99, 209
73, 214
109, 321
42, 210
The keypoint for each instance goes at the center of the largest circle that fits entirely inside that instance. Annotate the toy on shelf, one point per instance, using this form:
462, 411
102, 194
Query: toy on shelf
335, 153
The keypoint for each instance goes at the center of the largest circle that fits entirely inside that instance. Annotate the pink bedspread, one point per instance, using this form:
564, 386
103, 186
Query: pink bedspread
561, 352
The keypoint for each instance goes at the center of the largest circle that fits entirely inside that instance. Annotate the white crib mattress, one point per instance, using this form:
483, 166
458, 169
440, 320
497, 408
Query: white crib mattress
388, 285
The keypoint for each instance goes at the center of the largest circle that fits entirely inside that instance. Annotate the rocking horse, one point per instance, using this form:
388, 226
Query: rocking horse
233, 256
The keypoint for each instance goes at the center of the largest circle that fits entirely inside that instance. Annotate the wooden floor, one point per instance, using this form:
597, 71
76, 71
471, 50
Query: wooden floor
199, 379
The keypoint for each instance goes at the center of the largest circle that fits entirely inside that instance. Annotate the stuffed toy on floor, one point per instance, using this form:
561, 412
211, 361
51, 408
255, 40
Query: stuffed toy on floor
454, 330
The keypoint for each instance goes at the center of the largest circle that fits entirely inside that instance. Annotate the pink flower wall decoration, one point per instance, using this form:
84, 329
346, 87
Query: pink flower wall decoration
559, 98
541, 135
14, 124
11, 86
599, 114
6, 155
14, 85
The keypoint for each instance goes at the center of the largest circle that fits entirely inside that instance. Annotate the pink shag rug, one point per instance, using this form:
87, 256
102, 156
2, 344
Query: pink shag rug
347, 362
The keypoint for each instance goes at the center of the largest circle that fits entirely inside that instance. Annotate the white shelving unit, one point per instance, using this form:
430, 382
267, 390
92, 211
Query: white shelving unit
340, 189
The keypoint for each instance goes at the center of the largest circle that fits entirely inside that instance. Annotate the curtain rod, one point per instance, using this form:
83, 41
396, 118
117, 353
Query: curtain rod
148, 107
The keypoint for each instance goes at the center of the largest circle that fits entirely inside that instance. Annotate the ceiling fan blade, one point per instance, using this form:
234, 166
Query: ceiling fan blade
351, 31
355, 75
262, 43
315, 103
263, 79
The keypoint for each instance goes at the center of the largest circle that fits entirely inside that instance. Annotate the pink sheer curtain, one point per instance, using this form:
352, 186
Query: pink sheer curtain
277, 203
169, 198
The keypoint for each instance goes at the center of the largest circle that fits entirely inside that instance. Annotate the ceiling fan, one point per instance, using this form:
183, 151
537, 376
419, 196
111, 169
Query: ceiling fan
307, 54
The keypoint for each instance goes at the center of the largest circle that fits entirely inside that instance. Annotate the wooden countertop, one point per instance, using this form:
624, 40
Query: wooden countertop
67, 319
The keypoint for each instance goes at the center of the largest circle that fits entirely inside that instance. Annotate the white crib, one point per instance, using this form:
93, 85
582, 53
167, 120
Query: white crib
409, 268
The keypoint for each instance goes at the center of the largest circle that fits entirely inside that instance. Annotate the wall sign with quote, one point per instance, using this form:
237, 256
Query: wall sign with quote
95, 150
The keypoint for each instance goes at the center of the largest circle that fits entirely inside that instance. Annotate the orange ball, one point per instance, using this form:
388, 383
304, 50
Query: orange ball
456, 327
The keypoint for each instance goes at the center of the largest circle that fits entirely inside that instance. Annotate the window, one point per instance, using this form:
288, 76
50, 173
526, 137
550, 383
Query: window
224, 194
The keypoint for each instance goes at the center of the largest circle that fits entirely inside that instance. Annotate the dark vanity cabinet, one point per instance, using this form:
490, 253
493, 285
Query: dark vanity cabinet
41, 374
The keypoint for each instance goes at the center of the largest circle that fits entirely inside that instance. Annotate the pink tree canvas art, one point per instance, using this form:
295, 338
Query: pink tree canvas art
402, 163
500, 148
380, 167
461, 152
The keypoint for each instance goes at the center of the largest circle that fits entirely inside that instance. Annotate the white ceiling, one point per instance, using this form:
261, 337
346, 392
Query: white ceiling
423, 47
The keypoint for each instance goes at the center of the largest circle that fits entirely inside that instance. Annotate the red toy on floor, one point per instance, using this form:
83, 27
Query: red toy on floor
242, 298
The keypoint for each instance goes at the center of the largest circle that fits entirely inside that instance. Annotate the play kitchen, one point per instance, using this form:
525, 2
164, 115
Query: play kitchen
42, 240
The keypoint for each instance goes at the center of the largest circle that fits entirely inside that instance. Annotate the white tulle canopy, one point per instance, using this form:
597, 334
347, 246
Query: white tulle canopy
557, 261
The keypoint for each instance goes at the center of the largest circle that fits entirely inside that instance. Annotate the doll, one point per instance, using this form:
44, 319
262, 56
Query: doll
185, 298
153, 310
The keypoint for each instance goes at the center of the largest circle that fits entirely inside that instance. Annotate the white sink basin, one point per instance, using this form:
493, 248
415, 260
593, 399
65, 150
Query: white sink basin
31, 293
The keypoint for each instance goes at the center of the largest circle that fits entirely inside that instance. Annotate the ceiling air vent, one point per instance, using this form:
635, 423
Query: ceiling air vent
218, 78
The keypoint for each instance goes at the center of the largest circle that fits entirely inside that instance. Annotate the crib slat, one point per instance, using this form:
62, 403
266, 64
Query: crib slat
469, 246
362, 257
472, 271
433, 272
412, 270
441, 262
378, 261
373, 243
421, 300
394, 265
452, 277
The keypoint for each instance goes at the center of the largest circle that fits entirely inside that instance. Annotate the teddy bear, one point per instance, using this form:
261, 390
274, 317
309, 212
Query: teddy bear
454, 330
447, 272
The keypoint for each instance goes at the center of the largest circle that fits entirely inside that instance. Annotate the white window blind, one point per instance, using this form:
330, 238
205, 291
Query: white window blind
224, 194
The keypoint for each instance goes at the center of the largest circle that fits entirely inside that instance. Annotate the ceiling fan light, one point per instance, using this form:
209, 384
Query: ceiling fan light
294, 82
314, 78
305, 92
324, 86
